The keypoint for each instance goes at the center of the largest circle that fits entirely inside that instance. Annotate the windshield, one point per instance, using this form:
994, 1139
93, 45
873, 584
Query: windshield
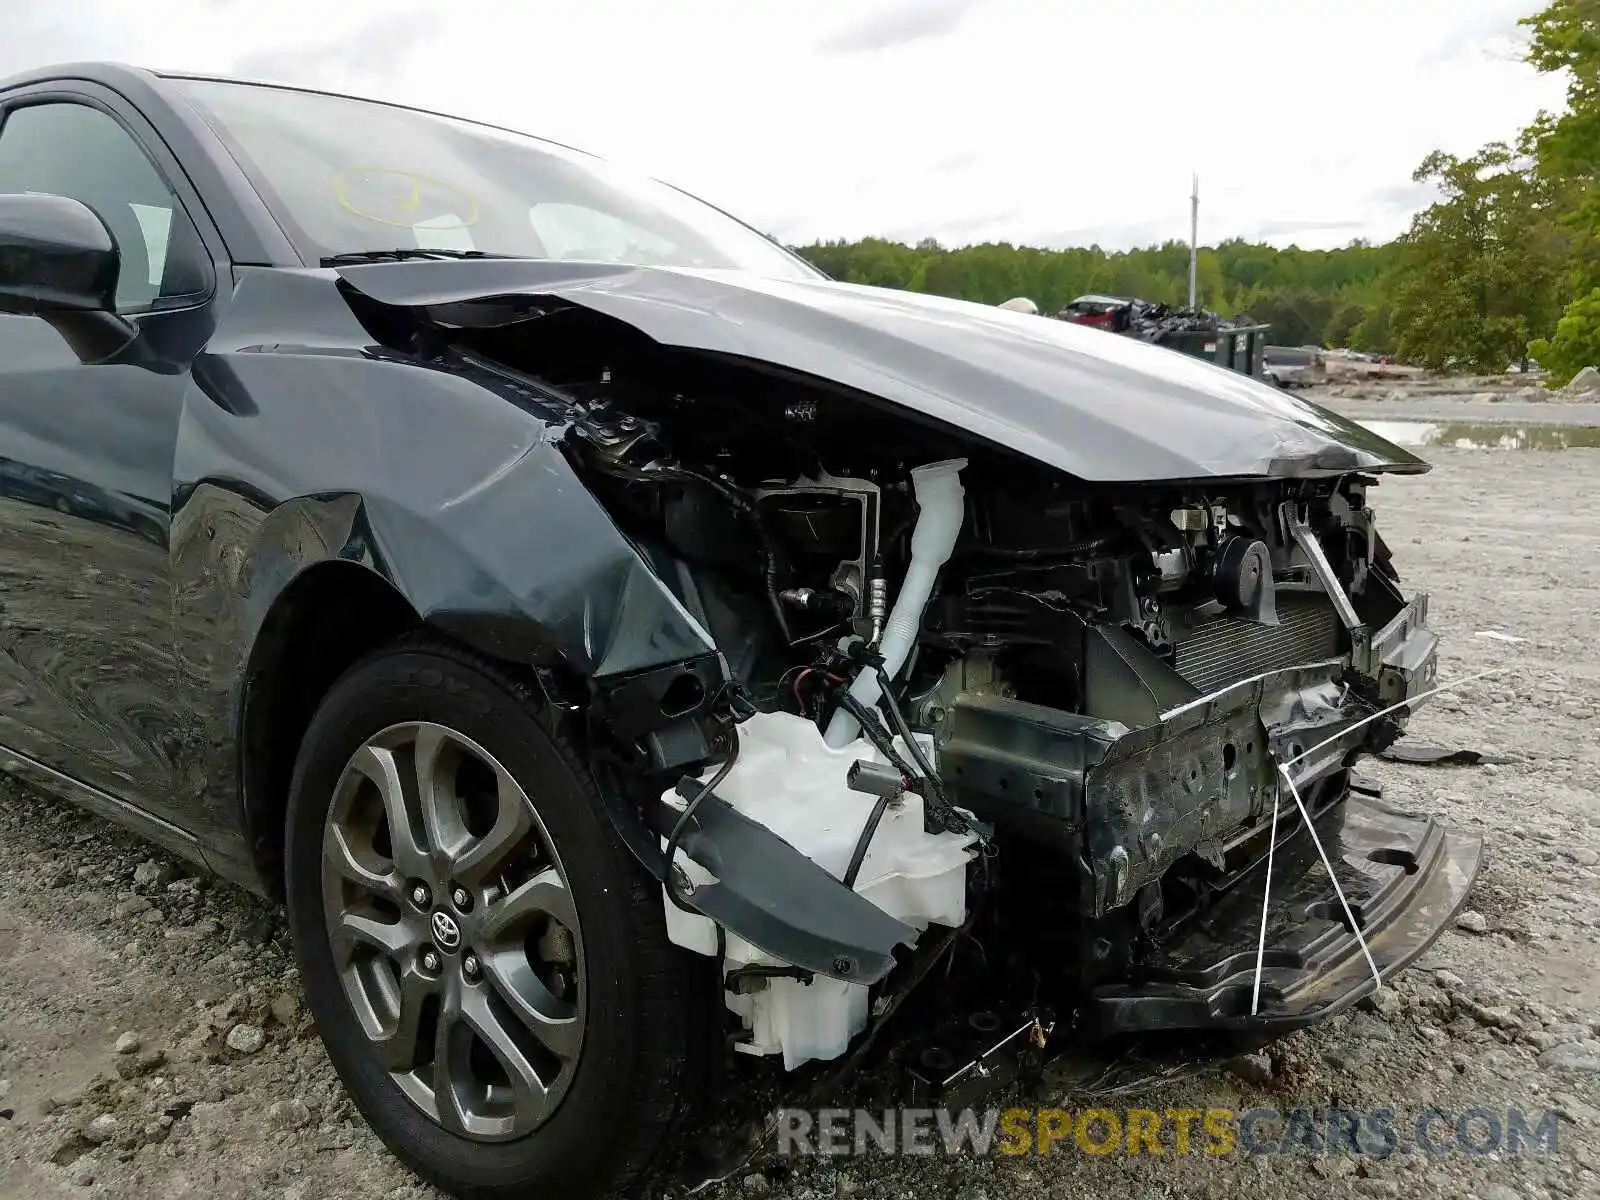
346, 176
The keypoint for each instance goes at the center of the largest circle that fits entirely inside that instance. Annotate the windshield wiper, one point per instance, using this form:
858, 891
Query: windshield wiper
400, 254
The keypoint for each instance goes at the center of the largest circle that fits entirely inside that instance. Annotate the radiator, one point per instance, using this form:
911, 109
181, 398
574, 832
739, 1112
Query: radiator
1221, 650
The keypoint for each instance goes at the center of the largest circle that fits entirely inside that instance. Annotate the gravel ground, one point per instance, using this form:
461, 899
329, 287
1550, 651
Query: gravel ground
152, 1041
1491, 400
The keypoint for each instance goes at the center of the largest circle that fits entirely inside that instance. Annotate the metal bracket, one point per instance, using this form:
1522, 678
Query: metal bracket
1311, 547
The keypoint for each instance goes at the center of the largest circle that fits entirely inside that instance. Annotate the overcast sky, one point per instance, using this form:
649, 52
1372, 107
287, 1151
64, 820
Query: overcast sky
1047, 122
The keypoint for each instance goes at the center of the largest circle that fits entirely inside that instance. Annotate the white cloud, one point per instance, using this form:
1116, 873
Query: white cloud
960, 119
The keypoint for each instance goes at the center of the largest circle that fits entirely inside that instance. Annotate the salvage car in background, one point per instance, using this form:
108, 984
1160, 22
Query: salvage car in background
1294, 366
617, 642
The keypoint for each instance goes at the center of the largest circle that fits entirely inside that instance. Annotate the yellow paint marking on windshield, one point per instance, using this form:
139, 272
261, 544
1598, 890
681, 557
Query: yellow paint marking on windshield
415, 185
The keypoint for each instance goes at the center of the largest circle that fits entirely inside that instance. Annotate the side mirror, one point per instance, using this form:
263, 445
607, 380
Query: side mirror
59, 262
55, 255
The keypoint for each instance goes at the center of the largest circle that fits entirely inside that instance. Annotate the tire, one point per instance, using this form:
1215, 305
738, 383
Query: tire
645, 1049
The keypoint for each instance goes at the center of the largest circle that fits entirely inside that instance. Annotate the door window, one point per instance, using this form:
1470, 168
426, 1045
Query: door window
74, 150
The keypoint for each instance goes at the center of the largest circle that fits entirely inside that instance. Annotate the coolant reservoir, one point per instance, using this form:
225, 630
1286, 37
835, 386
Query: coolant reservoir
789, 780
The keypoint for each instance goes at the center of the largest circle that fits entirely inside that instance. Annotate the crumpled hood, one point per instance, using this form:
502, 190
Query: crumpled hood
1102, 407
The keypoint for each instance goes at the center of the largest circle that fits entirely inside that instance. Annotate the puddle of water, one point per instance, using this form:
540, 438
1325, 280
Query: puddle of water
1484, 435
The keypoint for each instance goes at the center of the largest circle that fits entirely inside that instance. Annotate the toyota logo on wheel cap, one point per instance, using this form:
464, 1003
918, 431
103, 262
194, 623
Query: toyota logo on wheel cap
445, 931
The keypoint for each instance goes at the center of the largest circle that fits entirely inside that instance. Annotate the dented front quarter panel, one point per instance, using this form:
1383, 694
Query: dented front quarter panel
303, 443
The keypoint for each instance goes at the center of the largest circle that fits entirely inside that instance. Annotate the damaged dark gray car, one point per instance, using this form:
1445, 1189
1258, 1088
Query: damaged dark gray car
619, 643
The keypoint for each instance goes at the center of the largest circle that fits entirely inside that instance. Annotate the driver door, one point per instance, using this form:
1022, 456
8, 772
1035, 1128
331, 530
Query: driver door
86, 453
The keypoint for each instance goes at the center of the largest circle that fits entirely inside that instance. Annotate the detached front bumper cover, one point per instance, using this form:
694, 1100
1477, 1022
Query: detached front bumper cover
1405, 877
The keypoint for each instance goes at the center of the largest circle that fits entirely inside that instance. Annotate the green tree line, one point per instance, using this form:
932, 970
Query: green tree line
1506, 262
1335, 297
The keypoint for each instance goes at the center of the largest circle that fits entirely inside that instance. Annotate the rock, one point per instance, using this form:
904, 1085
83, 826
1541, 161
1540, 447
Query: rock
1583, 856
1449, 980
83, 1177
151, 873
289, 1114
1432, 1002
1575, 1110
131, 907
1585, 383
1572, 1056
128, 1043
1377, 1187
286, 1009
1498, 1191
144, 1064
1368, 1029
100, 1130
756, 1183
220, 1016
1385, 1002
193, 1047
972, 1193
1341, 1059
1252, 1068
1332, 1168
1465, 1029
1494, 1016
1360, 1044
1472, 921
246, 1039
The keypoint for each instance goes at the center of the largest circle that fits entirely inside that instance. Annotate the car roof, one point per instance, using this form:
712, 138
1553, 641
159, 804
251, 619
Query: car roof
116, 74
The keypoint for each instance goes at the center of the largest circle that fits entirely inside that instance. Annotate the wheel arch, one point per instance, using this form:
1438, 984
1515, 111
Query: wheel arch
331, 615
337, 578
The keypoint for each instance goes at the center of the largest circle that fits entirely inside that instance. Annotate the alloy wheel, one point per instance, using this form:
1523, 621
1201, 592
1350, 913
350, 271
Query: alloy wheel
453, 931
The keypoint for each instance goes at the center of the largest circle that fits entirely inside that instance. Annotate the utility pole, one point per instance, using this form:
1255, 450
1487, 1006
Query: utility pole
1194, 240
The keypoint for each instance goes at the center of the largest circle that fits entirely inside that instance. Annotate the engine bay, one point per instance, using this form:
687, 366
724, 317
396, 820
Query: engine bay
981, 703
